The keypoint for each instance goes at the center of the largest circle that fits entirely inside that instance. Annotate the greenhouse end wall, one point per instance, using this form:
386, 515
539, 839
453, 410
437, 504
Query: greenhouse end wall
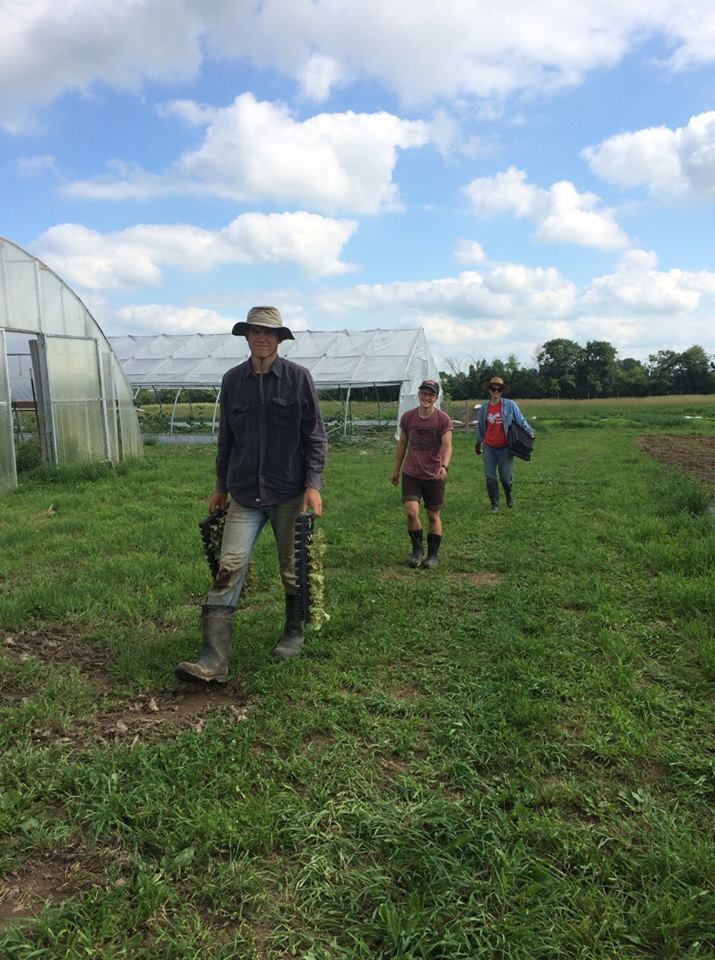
83, 404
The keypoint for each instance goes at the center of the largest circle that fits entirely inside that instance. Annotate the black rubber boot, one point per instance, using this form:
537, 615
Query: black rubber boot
293, 633
433, 542
493, 491
417, 550
507, 494
212, 665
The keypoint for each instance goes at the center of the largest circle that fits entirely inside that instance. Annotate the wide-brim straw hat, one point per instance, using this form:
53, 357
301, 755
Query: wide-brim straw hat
497, 382
268, 317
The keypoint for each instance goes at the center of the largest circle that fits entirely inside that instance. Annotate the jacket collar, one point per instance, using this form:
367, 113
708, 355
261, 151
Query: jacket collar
276, 367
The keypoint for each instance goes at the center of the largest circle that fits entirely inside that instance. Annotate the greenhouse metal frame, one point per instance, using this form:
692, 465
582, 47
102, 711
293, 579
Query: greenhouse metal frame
55, 360
341, 362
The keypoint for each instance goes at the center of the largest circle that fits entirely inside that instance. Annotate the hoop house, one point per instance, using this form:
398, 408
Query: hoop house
383, 368
56, 363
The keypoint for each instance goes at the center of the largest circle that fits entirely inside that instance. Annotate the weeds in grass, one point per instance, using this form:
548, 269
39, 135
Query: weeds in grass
682, 494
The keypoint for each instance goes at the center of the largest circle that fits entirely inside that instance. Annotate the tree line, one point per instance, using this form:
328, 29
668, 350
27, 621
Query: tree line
566, 369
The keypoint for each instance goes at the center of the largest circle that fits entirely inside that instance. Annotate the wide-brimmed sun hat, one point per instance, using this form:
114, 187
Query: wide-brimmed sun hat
268, 317
495, 382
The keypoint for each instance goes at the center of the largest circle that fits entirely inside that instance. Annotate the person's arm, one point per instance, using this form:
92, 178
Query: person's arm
312, 499
478, 436
521, 419
218, 499
223, 452
315, 448
445, 453
399, 457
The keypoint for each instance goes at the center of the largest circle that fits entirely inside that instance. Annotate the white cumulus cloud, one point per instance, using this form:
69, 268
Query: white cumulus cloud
671, 164
254, 150
638, 285
420, 51
561, 213
499, 291
469, 251
152, 318
134, 257
318, 77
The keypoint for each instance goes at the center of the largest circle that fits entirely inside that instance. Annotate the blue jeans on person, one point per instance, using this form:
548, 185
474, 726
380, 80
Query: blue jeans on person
498, 457
241, 531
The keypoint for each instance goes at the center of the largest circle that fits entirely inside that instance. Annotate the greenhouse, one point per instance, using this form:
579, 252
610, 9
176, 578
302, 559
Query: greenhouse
61, 385
365, 379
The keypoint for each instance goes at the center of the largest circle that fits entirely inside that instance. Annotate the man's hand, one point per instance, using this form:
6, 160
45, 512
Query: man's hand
478, 448
312, 499
395, 477
218, 500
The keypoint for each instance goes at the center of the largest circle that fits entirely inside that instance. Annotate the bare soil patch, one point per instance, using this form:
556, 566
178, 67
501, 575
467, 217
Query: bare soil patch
59, 645
52, 878
391, 767
407, 691
150, 715
316, 741
693, 454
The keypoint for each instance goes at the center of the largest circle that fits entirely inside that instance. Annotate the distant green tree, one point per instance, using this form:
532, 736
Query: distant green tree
695, 372
596, 369
663, 371
522, 382
558, 363
631, 378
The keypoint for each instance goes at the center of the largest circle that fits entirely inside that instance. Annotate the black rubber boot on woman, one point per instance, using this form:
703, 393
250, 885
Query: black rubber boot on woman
507, 493
417, 550
433, 542
493, 491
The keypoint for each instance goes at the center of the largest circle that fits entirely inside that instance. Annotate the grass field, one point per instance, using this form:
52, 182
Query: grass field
509, 757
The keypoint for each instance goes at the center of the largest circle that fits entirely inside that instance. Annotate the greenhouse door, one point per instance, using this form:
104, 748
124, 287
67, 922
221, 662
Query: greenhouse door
8, 475
73, 398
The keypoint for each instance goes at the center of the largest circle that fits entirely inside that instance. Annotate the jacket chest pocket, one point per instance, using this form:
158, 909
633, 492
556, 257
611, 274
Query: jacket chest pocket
284, 411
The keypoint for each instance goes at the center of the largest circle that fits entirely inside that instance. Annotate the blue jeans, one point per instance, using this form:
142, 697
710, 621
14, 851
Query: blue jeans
500, 457
240, 533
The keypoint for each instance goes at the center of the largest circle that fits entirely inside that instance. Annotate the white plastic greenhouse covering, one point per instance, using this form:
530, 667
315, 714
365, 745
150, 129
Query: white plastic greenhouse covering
84, 404
337, 359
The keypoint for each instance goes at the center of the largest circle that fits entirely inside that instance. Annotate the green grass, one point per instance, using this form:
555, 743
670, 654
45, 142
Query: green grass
508, 757
688, 414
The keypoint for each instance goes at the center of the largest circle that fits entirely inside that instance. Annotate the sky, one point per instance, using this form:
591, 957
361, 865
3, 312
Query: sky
498, 174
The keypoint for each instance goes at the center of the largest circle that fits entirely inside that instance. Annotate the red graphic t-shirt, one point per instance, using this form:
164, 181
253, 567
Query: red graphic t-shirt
494, 434
424, 453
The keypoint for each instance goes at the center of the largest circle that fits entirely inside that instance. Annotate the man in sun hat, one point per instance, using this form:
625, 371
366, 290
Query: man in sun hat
426, 439
271, 453
493, 422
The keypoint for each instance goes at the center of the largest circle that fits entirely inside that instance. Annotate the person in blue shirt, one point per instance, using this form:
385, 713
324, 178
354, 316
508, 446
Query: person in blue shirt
493, 421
